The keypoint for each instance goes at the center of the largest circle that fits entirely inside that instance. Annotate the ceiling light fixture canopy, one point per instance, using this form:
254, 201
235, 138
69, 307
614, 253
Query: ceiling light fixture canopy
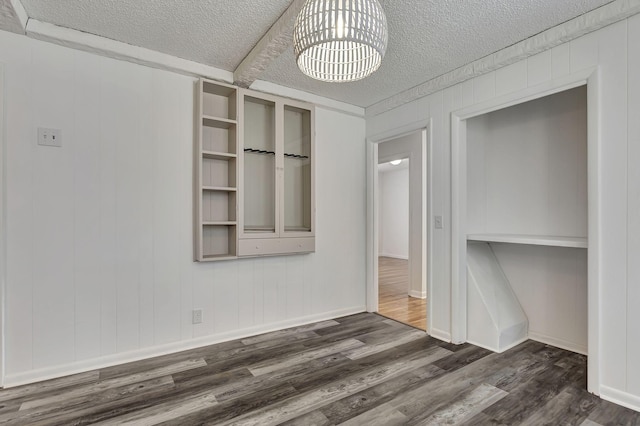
395, 162
340, 40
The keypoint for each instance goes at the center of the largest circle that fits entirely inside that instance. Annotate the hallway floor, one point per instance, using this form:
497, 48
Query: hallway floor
393, 300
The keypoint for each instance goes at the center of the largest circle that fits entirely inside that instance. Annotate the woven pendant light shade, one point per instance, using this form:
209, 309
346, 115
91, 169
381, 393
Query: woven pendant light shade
340, 40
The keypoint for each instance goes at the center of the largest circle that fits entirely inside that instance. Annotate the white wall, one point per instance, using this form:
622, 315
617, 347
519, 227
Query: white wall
99, 232
614, 50
527, 168
394, 213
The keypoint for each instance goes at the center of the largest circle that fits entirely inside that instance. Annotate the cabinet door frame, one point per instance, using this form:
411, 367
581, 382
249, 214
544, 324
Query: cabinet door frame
244, 93
280, 105
312, 150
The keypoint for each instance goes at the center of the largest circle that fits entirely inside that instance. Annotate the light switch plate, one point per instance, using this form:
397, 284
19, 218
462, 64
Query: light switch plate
438, 222
49, 137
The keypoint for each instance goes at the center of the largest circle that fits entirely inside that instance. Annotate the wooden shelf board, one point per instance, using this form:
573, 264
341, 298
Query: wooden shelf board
215, 88
225, 256
296, 229
218, 155
219, 223
218, 122
219, 188
537, 240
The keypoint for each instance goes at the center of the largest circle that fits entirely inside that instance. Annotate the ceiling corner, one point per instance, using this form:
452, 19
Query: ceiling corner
13, 17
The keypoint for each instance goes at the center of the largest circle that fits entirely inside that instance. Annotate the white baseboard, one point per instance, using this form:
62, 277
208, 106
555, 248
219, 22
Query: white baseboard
394, 256
620, 397
47, 373
440, 335
558, 343
418, 294
506, 348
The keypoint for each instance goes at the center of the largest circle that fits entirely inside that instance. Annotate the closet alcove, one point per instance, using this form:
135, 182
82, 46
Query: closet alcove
527, 223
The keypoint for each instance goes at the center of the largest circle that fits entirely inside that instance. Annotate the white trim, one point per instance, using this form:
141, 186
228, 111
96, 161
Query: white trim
558, 343
506, 348
428, 243
276, 89
440, 335
126, 52
567, 31
3, 227
372, 227
46, 373
590, 78
619, 397
418, 294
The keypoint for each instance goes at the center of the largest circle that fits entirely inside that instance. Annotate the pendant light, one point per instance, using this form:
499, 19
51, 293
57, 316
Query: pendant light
340, 40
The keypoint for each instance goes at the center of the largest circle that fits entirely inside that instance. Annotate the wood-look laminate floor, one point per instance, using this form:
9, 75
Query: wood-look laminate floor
362, 369
393, 300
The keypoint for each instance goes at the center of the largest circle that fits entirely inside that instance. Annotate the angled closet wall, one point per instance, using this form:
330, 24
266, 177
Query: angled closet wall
527, 223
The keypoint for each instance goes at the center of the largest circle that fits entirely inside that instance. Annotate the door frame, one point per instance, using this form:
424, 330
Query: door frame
590, 79
424, 127
3, 228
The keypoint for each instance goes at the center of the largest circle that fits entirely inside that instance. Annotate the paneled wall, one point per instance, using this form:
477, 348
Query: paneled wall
99, 263
614, 50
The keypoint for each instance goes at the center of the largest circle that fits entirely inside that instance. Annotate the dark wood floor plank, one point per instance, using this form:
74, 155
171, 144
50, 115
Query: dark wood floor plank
45, 387
289, 333
360, 402
609, 414
316, 398
226, 411
361, 369
270, 365
59, 396
465, 407
570, 406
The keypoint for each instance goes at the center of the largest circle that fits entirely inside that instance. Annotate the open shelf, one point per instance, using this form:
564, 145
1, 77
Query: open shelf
216, 172
219, 188
217, 122
219, 257
214, 155
536, 240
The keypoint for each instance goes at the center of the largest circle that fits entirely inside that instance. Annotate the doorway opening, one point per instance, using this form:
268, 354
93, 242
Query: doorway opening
396, 297
398, 227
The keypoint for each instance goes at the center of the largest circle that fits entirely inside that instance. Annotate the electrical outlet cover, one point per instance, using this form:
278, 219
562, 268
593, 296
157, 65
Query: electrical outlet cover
49, 137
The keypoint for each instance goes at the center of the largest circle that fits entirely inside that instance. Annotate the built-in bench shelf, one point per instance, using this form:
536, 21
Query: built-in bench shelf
535, 240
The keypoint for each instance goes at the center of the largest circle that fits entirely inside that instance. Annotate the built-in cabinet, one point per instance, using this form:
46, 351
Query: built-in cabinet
254, 174
277, 176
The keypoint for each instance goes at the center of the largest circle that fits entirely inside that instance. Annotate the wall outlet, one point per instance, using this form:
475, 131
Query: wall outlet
49, 137
438, 222
196, 316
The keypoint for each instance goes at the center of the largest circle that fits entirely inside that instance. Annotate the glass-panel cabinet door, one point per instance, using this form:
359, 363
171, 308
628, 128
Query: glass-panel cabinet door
259, 166
298, 163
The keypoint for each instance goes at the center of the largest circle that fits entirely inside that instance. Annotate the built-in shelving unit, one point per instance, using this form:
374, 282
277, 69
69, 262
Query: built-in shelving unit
216, 172
536, 240
253, 180
527, 198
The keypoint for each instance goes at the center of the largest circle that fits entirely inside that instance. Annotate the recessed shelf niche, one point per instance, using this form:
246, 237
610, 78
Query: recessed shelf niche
216, 172
526, 169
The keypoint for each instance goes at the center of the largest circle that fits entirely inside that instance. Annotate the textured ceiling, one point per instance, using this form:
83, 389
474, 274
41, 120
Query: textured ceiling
212, 32
427, 38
